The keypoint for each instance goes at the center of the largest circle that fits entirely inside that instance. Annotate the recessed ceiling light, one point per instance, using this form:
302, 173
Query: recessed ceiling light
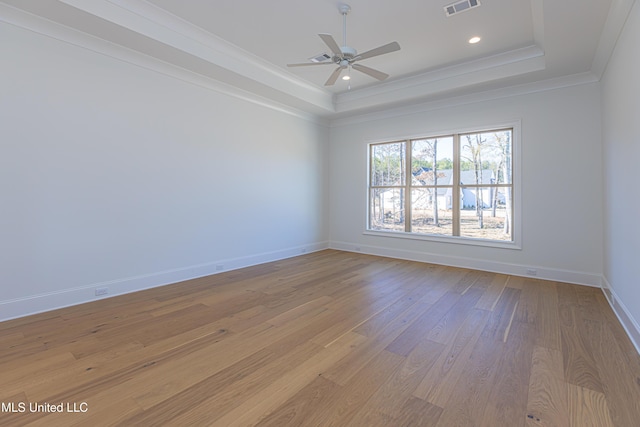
474, 40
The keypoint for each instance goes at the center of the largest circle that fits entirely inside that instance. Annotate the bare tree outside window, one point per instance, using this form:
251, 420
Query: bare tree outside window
487, 157
431, 166
387, 168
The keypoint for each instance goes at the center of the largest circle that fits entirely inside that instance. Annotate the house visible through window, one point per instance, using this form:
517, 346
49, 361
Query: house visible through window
458, 185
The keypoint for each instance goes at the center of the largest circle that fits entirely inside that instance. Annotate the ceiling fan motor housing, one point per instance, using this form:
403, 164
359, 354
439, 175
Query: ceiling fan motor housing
348, 53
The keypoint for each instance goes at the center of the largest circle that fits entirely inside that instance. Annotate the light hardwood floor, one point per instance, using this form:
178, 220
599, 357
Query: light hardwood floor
328, 339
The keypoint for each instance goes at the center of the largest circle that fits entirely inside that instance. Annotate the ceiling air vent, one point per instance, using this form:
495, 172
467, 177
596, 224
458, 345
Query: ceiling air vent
460, 6
320, 58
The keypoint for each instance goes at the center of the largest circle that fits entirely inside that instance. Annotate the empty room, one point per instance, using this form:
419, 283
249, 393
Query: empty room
319, 213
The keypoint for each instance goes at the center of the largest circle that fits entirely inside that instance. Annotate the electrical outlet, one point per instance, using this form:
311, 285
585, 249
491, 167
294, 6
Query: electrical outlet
357, 248
219, 267
532, 272
102, 291
303, 250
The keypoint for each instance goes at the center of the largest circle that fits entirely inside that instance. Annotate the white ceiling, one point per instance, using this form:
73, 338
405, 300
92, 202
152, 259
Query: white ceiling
246, 44
286, 31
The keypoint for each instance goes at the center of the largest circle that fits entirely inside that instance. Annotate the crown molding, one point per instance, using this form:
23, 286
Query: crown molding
618, 14
489, 95
158, 24
48, 28
502, 65
153, 32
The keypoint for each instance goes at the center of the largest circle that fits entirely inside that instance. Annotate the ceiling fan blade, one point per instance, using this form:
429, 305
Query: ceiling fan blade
333, 77
387, 48
330, 41
370, 71
305, 64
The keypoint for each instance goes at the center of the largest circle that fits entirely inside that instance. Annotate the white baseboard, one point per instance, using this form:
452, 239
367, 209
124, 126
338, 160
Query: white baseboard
629, 324
20, 307
544, 273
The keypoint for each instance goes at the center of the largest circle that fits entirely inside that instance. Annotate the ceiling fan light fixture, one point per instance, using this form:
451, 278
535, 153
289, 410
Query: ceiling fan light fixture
348, 75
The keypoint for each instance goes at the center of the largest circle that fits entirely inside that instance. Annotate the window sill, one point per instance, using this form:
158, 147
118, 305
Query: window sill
446, 239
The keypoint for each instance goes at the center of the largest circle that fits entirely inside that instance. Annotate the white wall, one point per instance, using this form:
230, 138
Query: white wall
561, 182
621, 152
115, 175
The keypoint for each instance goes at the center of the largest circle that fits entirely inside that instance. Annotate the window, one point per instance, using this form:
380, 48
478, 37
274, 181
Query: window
456, 186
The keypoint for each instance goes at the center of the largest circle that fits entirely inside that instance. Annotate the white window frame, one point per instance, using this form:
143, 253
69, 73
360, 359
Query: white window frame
516, 230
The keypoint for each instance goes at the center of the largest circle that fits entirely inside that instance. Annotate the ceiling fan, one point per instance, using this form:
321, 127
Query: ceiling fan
346, 57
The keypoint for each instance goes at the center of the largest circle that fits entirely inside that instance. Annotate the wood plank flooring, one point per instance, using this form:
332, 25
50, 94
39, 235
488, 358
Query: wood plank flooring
327, 339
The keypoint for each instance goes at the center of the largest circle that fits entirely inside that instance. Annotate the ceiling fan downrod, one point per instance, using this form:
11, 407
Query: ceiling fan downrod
344, 10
